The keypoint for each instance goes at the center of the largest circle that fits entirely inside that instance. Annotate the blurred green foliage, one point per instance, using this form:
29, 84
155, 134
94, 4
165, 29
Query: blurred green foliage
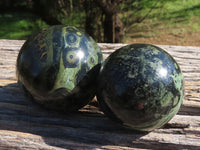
136, 15
19, 25
172, 16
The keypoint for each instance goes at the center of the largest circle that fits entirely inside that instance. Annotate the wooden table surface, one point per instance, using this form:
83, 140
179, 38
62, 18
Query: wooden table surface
25, 125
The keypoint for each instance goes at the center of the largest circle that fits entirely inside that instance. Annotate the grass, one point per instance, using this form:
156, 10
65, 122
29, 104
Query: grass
172, 17
177, 18
19, 25
174, 14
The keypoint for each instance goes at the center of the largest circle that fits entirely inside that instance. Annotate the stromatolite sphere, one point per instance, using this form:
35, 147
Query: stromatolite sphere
58, 66
140, 86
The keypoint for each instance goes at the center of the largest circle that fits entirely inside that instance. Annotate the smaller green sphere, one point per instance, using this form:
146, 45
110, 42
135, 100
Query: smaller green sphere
57, 67
140, 86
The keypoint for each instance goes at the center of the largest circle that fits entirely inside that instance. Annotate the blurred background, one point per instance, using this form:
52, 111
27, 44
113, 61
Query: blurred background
171, 22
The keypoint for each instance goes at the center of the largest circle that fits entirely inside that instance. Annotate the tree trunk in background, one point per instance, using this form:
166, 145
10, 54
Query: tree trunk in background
113, 26
102, 19
119, 29
71, 5
109, 28
113, 29
93, 25
90, 18
45, 9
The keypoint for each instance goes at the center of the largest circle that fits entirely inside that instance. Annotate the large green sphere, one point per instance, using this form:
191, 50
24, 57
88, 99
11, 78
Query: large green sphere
140, 86
58, 66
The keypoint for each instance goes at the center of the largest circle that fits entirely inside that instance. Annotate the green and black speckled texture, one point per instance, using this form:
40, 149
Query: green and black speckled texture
140, 86
58, 67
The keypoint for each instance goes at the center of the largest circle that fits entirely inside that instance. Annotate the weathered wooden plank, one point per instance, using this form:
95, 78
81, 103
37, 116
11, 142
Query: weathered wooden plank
25, 125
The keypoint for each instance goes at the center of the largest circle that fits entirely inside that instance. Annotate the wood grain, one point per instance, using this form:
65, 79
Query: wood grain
25, 125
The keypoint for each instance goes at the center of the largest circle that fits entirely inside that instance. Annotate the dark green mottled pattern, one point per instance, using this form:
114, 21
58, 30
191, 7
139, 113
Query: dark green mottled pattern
140, 86
56, 63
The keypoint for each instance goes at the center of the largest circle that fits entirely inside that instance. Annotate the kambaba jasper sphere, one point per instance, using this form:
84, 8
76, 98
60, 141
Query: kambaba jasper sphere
140, 86
58, 66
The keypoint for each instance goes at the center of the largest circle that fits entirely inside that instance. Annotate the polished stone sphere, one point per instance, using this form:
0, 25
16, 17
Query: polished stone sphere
140, 86
57, 67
